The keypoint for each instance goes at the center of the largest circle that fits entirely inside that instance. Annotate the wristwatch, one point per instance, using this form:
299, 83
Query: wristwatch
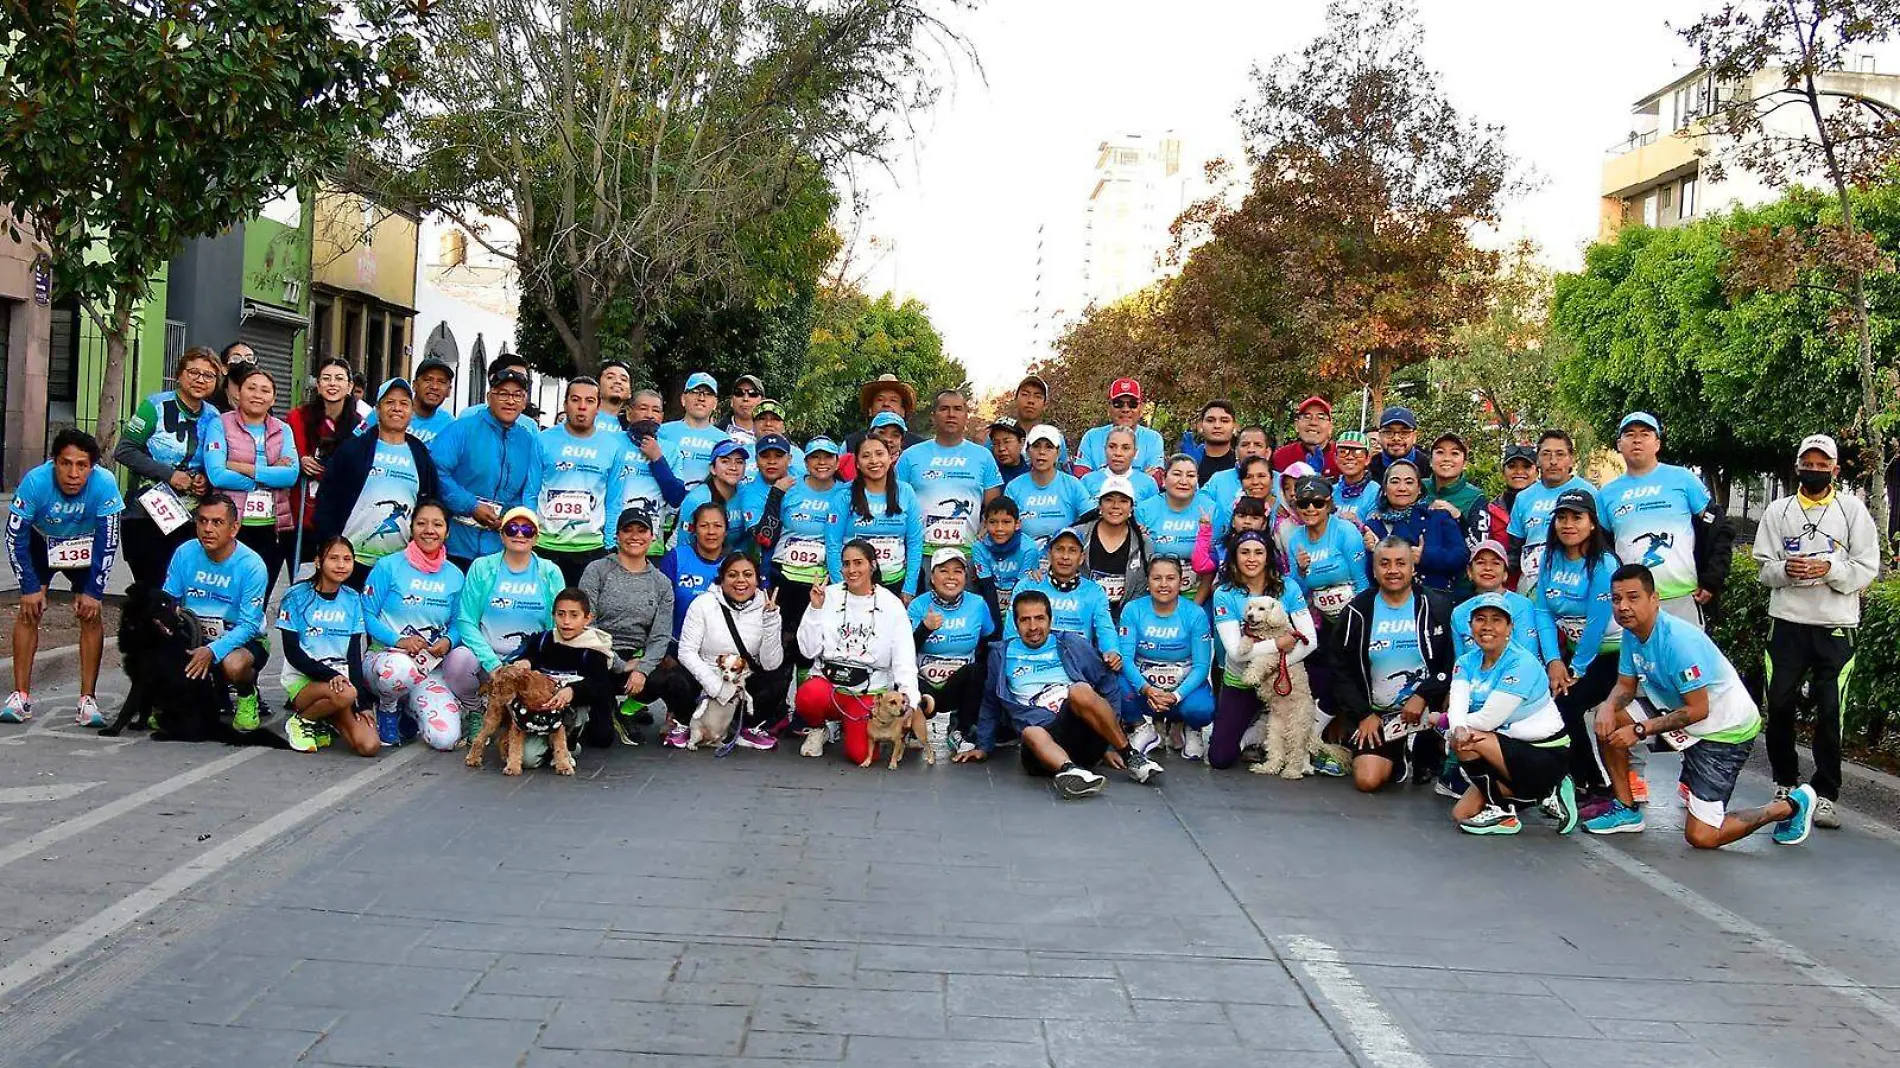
1642, 730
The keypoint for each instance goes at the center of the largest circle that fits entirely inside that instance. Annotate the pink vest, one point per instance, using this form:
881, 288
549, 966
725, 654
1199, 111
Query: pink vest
239, 443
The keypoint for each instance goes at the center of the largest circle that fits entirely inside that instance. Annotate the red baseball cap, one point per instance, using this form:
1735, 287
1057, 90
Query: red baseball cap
1124, 387
1313, 401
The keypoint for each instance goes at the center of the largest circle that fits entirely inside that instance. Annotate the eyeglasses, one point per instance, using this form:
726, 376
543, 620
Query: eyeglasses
519, 529
508, 394
198, 374
1124, 402
747, 393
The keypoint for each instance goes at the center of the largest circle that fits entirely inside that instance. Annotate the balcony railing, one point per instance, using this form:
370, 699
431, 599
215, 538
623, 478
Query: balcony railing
1631, 143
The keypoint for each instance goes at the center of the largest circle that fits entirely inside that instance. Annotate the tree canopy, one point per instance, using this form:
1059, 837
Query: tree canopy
854, 339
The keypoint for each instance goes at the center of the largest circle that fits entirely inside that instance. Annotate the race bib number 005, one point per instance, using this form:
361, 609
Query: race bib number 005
1165, 676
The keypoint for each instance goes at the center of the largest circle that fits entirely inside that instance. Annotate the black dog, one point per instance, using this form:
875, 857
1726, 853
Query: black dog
156, 637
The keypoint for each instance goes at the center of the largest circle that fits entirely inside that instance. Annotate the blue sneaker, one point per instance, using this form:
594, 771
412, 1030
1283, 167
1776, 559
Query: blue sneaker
1794, 830
389, 727
1620, 819
1328, 765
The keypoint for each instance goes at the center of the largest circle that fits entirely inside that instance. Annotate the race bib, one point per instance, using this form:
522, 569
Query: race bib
567, 506
1330, 600
1165, 676
890, 554
1051, 697
1113, 585
1396, 727
1571, 628
259, 505
946, 531
213, 628
70, 554
1532, 564
936, 670
164, 507
465, 520
1676, 739
804, 553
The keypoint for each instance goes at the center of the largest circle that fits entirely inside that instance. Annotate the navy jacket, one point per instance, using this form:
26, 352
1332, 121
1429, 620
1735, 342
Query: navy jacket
348, 468
1082, 662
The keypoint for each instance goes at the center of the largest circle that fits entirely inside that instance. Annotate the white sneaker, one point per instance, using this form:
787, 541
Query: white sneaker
1255, 735
814, 744
965, 746
18, 709
1078, 783
1826, 815
1144, 738
88, 714
1194, 745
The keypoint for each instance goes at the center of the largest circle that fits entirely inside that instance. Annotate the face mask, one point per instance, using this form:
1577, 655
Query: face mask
1814, 482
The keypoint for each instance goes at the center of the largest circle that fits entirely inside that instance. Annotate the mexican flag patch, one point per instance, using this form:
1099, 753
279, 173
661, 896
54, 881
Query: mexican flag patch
1689, 674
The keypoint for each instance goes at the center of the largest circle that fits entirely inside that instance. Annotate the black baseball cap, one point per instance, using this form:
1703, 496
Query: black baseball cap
1312, 488
1526, 453
1009, 424
434, 363
1575, 500
635, 516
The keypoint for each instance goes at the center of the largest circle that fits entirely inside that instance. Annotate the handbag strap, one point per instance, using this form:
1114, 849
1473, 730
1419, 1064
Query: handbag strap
738, 643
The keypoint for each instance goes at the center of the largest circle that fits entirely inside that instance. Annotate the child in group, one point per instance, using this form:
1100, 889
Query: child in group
580, 658
321, 624
1250, 513
1004, 556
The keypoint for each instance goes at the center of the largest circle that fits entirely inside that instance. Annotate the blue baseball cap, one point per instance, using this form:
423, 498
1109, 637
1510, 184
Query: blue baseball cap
1399, 415
1639, 419
701, 380
1492, 600
773, 441
395, 383
884, 419
821, 444
729, 447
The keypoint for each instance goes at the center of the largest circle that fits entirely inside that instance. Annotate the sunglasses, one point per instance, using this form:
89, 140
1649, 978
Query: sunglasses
520, 529
1124, 402
747, 393
1313, 502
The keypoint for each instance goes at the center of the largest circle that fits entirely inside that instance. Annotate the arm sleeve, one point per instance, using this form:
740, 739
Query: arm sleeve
811, 628
1203, 562
250, 622
215, 448
1714, 550
1856, 569
309, 667
1203, 664
660, 634
1102, 625
990, 713
375, 594
913, 541
284, 474
772, 646
1126, 646
1446, 552
1303, 626
904, 663
1773, 571
354, 660
672, 490
1350, 697
1458, 704
1358, 566
1597, 622
1229, 635
1497, 708
834, 541
448, 453
343, 479
765, 532
105, 553
20, 551
428, 481
1549, 647
468, 616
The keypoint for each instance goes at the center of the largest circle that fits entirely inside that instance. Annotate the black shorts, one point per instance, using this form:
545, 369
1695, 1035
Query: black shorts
1070, 731
1393, 750
1534, 770
43, 569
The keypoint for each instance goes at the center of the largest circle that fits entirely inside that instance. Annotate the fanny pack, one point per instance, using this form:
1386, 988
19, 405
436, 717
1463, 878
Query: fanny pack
847, 676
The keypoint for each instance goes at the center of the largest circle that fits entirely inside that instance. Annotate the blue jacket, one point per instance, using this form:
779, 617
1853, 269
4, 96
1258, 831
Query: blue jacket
1442, 565
1080, 660
477, 459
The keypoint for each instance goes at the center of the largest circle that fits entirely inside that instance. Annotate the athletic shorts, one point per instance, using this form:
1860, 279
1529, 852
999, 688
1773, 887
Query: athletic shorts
1534, 770
1709, 770
1070, 731
1393, 750
76, 578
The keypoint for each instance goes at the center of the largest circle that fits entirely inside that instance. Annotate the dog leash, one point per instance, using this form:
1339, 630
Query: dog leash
1283, 678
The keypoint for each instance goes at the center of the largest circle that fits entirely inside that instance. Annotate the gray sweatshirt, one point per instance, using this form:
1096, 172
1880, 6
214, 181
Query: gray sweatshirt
1839, 531
635, 608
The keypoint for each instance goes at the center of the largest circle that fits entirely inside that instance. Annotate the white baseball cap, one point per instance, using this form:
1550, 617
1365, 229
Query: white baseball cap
1821, 442
1044, 432
1116, 484
947, 555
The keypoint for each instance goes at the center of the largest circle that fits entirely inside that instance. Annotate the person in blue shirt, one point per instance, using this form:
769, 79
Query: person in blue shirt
1505, 731
1119, 460
409, 606
881, 509
374, 481
1124, 410
1660, 516
1062, 699
689, 440
1328, 563
321, 625
1392, 663
64, 521
720, 486
488, 461
1009, 444
1578, 639
507, 598
1533, 506
159, 449
647, 480
1489, 569
429, 413
1078, 603
1172, 518
692, 564
1004, 556
1692, 698
769, 421
952, 627
1355, 492
1167, 647
1223, 487
579, 465
952, 478
223, 584
761, 497
1047, 499
1252, 569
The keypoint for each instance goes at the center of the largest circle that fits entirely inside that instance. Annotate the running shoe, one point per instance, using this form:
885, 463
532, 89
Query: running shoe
1639, 788
301, 733
1078, 783
1619, 819
1492, 819
389, 727
1194, 745
1826, 815
753, 738
1445, 789
19, 708
1562, 806
1144, 738
965, 746
625, 730
1453, 777
814, 743
1328, 765
246, 713
1401, 771
677, 736
1795, 829
88, 714
1781, 792
1142, 767
1593, 806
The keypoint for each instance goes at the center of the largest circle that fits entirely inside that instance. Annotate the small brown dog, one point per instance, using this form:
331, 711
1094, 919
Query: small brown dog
890, 722
514, 694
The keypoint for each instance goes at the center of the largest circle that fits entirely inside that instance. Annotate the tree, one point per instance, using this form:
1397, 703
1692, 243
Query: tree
633, 142
1847, 138
135, 126
855, 339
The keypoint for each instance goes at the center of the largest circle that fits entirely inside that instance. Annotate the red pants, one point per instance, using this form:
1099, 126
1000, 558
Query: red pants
819, 702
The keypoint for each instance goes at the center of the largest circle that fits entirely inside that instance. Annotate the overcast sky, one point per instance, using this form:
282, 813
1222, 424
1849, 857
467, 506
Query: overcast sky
1012, 151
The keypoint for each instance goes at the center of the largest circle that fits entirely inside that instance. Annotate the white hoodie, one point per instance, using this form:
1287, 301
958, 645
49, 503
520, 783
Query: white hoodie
872, 632
704, 636
1839, 531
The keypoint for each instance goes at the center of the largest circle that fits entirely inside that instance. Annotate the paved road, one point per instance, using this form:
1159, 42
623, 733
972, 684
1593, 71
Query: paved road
171, 905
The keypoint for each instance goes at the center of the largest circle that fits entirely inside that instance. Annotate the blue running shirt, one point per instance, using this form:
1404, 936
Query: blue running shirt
1653, 519
400, 599
1044, 510
576, 473
322, 625
379, 522
950, 482
228, 597
1530, 521
1397, 665
1678, 659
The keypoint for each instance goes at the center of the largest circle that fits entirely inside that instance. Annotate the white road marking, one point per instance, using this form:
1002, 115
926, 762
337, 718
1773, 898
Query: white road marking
1732, 923
33, 795
1383, 1041
59, 832
80, 939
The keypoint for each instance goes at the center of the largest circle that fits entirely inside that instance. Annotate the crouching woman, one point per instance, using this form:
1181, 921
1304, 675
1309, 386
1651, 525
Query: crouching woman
858, 635
321, 625
1506, 731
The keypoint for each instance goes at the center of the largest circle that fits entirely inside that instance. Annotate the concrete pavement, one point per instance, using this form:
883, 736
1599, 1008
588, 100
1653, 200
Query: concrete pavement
196, 905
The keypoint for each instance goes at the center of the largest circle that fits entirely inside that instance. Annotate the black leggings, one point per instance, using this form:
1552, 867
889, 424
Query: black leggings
148, 552
275, 548
1579, 710
669, 682
793, 599
961, 695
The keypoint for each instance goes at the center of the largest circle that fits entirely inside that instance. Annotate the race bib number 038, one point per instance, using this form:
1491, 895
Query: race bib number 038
567, 505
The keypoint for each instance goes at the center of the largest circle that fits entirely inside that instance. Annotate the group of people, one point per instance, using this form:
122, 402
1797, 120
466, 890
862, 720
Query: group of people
1086, 603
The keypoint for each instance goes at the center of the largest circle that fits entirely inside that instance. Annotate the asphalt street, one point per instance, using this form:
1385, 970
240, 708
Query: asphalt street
172, 905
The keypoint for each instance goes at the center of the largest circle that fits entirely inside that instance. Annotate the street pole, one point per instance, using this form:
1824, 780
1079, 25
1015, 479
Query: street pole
1365, 391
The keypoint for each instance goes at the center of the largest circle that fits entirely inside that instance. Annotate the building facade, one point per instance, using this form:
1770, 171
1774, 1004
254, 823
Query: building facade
249, 284
26, 326
362, 284
1138, 190
1658, 176
466, 301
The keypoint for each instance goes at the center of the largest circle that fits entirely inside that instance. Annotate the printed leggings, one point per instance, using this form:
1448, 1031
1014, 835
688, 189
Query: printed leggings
394, 676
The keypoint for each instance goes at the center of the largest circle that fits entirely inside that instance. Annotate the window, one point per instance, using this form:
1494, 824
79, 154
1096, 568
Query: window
1668, 194
174, 342
1685, 204
7, 309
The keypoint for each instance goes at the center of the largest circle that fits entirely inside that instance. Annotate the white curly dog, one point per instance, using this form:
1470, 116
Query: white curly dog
1291, 730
